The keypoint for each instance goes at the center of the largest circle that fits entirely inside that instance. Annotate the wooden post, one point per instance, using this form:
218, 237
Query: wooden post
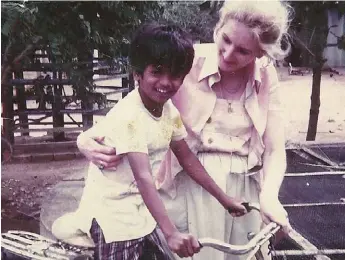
86, 104
128, 82
315, 103
58, 117
21, 102
7, 110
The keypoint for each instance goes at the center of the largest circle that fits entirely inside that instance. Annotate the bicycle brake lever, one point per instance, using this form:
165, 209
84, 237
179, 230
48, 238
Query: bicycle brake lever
248, 206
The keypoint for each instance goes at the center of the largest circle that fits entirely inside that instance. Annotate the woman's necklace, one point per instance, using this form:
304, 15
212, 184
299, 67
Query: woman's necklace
230, 109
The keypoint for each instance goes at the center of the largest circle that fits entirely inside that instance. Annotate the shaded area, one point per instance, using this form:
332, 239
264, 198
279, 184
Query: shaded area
324, 226
11, 219
312, 189
298, 161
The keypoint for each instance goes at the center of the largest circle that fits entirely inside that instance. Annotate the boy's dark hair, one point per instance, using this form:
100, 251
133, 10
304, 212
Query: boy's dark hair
161, 45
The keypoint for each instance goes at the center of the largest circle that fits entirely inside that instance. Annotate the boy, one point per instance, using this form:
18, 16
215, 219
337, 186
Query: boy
121, 207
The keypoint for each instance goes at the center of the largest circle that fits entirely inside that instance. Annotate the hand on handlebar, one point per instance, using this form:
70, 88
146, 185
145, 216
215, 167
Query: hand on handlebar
183, 245
273, 211
236, 207
255, 242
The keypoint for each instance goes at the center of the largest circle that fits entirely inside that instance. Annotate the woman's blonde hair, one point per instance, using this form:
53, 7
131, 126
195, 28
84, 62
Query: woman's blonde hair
269, 21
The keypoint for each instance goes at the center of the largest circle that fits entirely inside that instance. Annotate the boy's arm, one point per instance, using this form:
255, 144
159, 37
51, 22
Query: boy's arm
182, 244
140, 165
194, 168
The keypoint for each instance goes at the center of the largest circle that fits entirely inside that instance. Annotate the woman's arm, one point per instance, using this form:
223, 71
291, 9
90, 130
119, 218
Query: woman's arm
182, 244
194, 168
274, 157
90, 144
94, 150
274, 166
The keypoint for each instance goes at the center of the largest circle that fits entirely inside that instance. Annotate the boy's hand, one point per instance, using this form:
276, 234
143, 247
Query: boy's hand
235, 207
183, 245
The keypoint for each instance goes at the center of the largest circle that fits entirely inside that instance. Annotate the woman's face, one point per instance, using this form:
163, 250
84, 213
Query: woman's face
237, 46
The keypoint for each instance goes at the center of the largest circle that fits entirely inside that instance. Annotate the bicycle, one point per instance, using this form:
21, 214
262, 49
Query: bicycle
33, 246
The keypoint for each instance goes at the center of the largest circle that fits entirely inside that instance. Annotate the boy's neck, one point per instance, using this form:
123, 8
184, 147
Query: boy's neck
154, 108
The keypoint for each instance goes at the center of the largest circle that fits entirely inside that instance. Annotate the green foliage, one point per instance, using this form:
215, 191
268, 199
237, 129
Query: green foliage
188, 14
73, 27
69, 32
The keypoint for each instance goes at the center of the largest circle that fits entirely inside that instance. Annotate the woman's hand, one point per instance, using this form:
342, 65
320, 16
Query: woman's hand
183, 245
273, 211
98, 153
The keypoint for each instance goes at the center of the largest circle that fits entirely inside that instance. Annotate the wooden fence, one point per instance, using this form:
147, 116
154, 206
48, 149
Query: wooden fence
49, 88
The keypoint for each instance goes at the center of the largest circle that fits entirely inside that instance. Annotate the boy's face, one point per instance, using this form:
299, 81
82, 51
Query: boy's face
157, 84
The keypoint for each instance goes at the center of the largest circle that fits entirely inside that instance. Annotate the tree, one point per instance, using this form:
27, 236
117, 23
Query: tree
68, 28
69, 32
196, 17
310, 30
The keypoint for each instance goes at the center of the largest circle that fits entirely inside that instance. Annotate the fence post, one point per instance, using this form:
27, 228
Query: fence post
128, 82
58, 117
86, 58
21, 102
7, 109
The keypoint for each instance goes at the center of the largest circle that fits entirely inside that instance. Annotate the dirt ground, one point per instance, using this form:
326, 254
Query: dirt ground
296, 92
24, 185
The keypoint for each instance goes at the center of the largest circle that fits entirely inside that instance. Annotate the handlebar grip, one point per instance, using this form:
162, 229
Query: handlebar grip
244, 204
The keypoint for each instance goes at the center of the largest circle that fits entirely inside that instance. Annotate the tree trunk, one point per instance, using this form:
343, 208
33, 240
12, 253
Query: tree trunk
318, 20
315, 103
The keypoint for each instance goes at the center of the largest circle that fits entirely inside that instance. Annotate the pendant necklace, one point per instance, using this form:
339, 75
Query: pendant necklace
230, 109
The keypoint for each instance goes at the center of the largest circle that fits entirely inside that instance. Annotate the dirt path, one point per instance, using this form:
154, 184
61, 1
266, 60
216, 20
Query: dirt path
23, 186
296, 92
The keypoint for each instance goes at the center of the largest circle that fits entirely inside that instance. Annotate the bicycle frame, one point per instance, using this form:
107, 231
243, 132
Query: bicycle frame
33, 246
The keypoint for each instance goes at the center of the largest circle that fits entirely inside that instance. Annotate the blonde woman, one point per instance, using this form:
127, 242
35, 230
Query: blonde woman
230, 105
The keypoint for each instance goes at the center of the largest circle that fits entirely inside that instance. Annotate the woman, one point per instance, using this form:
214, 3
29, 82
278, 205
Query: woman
229, 103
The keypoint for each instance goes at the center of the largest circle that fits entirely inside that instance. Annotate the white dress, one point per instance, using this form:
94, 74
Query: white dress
224, 146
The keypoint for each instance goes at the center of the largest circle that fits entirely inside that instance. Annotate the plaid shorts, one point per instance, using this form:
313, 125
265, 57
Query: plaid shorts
148, 247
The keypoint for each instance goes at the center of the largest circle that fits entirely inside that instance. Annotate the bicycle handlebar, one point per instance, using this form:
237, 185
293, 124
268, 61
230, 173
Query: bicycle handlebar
258, 240
254, 243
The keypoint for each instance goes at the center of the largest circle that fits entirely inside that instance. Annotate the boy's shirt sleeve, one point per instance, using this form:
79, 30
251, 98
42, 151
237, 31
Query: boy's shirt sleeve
179, 130
99, 129
127, 134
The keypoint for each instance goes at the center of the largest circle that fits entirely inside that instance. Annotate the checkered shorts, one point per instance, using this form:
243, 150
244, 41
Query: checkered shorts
148, 247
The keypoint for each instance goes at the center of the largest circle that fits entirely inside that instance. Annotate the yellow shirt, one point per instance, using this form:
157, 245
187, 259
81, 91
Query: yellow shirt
111, 196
